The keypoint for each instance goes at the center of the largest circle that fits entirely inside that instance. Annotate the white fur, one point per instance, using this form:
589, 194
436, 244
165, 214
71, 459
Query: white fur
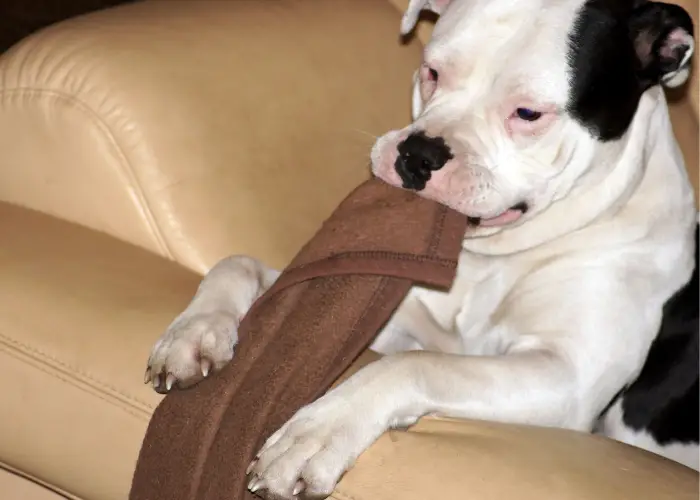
548, 319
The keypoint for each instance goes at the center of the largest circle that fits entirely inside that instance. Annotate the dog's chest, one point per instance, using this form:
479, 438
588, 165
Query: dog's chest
470, 313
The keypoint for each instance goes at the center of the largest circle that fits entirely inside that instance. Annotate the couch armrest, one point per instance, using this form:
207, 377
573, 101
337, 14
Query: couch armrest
188, 127
456, 459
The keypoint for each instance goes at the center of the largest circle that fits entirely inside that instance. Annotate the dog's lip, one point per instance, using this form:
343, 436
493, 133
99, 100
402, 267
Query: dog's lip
507, 217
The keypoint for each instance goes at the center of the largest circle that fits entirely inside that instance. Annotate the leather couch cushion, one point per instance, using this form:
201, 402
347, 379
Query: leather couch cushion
79, 312
490, 461
199, 129
16, 486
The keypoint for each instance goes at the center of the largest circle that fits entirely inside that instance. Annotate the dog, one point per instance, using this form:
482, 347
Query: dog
545, 123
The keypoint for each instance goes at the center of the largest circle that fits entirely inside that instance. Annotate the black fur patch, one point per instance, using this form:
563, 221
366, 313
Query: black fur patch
616, 54
665, 398
604, 88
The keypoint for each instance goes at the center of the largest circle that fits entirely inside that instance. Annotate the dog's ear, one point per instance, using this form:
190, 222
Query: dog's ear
662, 35
410, 17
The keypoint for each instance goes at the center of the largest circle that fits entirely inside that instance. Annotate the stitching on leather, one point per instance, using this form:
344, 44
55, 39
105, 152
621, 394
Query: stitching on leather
339, 494
38, 482
83, 376
126, 166
96, 393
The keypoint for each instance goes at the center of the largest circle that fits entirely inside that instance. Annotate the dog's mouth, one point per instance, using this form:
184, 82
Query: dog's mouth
508, 217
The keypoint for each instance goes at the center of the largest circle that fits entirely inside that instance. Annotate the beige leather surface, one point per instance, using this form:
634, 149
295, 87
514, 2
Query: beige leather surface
455, 459
458, 460
79, 312
16, 487
197, 129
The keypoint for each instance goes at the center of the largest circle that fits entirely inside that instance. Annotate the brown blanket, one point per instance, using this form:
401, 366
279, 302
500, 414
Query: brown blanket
323, 311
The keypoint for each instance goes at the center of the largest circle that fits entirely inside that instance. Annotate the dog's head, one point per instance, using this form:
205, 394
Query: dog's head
518, 100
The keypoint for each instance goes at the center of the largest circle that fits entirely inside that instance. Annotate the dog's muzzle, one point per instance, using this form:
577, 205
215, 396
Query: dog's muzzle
419, 156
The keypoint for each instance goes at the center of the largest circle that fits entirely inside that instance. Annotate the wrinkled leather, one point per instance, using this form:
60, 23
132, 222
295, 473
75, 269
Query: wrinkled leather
169, 132
172, 120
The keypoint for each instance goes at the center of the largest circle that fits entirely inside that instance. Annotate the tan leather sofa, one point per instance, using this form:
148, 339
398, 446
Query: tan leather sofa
139, 145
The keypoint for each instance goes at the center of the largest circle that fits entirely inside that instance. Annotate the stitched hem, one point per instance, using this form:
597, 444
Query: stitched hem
385, 255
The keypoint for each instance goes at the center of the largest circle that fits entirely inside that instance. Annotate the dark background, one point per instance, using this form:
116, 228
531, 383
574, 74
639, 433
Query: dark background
19, 18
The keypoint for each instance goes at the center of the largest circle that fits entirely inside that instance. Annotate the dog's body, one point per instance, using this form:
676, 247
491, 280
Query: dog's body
583, 229
660, 410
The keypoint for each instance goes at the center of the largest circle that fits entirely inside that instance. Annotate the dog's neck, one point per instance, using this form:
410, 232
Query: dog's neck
647, 150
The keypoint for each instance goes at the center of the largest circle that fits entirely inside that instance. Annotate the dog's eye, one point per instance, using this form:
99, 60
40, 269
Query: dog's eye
433, 74
528, 114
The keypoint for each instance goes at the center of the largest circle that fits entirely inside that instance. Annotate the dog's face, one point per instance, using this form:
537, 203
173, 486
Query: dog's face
517, 100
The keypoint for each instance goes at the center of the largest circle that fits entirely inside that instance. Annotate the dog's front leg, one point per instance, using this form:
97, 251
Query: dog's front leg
201, 339
318, 444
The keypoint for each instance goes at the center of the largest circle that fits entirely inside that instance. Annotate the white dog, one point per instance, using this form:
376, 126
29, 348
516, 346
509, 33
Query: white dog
543, 121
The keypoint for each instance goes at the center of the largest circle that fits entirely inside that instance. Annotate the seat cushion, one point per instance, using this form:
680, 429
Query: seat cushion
79, 311
14, 485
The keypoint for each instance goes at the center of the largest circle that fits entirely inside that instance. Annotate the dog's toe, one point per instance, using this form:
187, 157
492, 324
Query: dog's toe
190, 350
309, 454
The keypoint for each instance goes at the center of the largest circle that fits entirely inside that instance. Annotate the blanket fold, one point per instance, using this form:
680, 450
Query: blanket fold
297, 339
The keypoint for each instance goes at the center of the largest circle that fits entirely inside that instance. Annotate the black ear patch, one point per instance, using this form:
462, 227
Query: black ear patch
617, 50
662, 35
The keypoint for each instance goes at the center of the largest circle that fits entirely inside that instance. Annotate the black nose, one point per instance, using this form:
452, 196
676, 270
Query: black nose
420, 155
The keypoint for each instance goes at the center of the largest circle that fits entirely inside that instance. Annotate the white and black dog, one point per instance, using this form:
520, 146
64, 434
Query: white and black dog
544, 122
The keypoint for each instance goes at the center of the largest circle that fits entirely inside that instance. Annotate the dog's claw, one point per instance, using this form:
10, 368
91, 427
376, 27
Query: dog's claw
298, 488
251, 466
147, 375
169, 381
156, 381
255, 484
205, 365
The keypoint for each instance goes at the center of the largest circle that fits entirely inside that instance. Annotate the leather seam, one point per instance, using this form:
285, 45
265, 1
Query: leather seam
126, 167
95, 393
339, 494
69, 371
38, 482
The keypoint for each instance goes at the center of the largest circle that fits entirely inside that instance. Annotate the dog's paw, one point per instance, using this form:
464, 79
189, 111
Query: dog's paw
191, 348
312, 451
